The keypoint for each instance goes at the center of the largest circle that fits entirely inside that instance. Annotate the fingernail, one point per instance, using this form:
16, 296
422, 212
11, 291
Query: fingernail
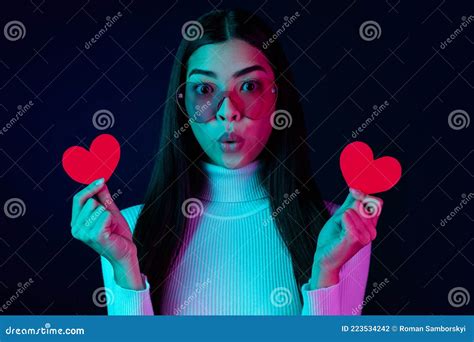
99, 181
356, 193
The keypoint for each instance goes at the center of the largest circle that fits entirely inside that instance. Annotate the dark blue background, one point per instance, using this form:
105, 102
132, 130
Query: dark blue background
340, 76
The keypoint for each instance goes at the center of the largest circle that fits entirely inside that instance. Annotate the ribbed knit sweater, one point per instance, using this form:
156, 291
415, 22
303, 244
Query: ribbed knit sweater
235, 262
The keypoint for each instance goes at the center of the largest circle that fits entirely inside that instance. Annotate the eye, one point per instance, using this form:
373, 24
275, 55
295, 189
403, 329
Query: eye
203, 88
250, 86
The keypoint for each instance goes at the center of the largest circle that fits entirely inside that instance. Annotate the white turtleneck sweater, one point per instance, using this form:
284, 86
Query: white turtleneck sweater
235, 262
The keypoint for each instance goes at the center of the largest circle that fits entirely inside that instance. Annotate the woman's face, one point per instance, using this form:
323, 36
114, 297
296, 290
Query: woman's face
243, 112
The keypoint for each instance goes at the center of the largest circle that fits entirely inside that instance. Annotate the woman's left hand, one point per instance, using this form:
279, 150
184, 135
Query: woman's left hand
352, 227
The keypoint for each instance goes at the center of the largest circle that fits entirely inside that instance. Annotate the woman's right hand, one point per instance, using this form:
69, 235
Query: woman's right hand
100, 225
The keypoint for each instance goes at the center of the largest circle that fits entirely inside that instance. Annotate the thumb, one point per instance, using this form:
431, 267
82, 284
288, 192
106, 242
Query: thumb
106, 199
348, 203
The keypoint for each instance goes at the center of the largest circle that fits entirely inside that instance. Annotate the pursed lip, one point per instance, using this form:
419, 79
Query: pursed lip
230, 137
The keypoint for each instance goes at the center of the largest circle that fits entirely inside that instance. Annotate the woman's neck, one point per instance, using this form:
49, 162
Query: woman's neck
232, 185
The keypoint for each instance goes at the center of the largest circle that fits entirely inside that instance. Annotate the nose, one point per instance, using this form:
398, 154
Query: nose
228, 111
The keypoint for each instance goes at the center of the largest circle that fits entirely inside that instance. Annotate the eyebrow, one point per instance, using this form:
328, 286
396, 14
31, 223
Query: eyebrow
248, 70
236, 74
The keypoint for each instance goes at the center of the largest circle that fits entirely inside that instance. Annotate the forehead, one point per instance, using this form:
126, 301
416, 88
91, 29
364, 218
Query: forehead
228, 57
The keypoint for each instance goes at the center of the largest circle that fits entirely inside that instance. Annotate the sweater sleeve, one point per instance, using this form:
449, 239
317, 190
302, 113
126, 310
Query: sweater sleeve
345, 297
121, 301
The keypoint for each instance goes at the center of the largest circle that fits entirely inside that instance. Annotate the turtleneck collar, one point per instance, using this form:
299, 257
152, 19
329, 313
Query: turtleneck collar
232, 185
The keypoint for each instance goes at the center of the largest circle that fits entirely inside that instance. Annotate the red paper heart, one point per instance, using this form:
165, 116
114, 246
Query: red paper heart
363, 173
85, 166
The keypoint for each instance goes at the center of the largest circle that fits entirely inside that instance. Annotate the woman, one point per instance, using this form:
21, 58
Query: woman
233, 222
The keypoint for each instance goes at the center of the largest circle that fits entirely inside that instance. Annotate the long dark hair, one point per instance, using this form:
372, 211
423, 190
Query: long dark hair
159, 231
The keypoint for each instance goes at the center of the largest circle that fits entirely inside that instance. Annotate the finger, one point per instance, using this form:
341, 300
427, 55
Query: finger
349, 226
82, 196
368, 211
372, 231
81, 231
91, 236
369, 222
349, 202
358, 194
355, 228
91, 219
98, 232
352, 232
86, 211
106, 199
361, 226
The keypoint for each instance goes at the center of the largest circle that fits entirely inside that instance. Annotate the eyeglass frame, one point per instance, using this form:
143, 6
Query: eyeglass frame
181, 96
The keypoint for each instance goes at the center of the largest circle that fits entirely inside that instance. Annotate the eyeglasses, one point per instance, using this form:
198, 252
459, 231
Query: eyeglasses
200, 101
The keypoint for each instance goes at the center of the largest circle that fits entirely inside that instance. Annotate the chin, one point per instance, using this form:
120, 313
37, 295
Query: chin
233, 160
